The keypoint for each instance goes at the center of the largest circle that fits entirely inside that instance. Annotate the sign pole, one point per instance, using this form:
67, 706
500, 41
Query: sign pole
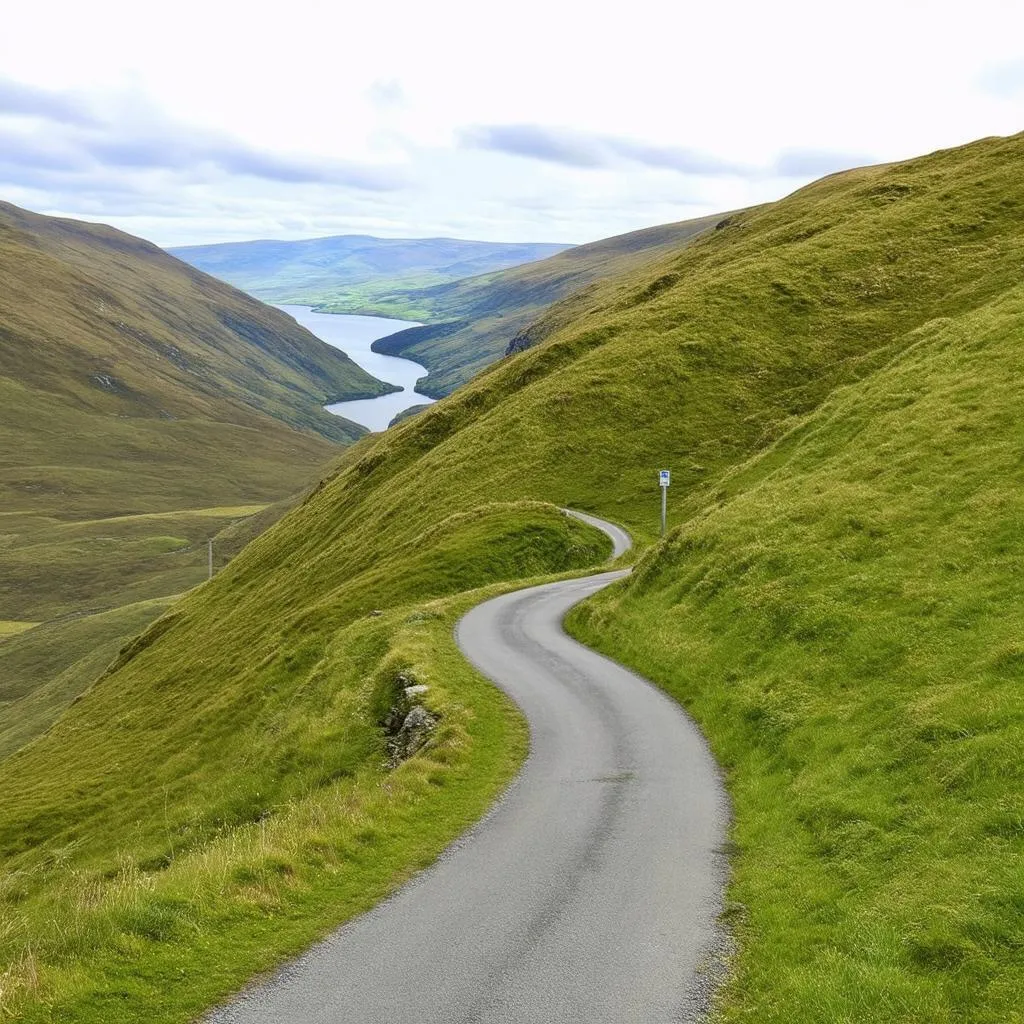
209, 557
664, 479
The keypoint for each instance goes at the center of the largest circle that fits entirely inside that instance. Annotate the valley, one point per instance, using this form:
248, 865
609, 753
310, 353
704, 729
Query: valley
832, 379
144, 409
358, 269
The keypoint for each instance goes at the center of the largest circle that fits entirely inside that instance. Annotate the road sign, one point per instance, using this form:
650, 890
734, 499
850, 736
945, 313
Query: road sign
664, 477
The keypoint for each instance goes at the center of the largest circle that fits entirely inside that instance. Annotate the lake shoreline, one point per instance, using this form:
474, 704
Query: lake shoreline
354, 335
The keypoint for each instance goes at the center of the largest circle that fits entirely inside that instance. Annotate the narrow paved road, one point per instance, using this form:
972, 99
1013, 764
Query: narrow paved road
589, 893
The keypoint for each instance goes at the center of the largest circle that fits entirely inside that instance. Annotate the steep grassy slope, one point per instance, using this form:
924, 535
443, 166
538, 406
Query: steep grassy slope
219, 795
847, 628
355, 268
44, 669
471, 323
111, 325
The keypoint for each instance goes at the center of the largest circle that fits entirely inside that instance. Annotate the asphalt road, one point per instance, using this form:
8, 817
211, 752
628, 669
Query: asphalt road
589, 893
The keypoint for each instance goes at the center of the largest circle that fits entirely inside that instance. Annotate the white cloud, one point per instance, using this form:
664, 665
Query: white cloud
547, 120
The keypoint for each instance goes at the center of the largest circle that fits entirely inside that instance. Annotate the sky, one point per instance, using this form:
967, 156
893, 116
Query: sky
543, 120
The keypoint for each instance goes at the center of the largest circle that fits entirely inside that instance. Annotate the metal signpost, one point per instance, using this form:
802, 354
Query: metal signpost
664, 478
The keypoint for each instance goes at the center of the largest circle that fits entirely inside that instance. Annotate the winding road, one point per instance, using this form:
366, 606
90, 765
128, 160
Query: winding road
591, 890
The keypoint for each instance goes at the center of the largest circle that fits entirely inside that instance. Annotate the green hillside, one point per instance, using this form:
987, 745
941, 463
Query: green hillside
144, 407
45, 668
354, 268
832, 379
846, 625
474, 322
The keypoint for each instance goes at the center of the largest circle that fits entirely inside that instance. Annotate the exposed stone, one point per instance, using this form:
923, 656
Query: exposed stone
407, 724
520, 343
418, 718
414, 732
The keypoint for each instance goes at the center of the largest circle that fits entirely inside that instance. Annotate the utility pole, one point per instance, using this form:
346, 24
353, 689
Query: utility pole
664, 478
209, 555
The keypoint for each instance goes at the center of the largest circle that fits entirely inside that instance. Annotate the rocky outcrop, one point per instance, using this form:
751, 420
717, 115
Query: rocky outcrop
520, 343
408, 723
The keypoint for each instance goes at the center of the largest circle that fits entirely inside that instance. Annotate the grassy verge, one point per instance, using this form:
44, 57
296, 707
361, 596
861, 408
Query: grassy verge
126, 943
231, 805
845, 627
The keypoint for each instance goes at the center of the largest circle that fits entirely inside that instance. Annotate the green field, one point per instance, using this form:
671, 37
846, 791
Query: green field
833, 381
11, 627
53, 568
43, 670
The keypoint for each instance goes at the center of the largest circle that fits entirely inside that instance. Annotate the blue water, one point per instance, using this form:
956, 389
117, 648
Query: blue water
354, 335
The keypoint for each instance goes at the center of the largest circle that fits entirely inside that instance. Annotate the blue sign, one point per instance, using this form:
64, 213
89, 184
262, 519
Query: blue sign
663, 477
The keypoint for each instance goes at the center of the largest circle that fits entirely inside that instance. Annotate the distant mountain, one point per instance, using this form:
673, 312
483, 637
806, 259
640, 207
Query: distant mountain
353, 268
473, 322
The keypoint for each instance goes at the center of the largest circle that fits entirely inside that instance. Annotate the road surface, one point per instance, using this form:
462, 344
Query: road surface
590, 892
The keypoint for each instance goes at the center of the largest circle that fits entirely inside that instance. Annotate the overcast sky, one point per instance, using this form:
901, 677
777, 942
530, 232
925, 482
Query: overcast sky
541, 120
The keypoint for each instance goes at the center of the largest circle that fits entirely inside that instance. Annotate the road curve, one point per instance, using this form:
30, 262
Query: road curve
621, 541
589, 893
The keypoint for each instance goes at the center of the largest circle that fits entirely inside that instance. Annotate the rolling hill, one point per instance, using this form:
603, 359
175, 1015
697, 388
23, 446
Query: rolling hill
358, 269
144, 407
474, 322
834, 381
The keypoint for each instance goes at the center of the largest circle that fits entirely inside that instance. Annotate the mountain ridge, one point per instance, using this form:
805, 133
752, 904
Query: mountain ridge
476, 321
311, 271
